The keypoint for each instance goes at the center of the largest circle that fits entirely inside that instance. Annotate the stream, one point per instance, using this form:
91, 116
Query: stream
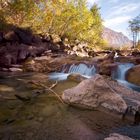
117, 74
44, 117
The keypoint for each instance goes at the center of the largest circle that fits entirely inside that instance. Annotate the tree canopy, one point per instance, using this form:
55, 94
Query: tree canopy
66, 18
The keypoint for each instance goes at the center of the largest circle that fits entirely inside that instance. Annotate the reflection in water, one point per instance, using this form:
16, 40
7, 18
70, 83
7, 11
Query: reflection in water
45, 117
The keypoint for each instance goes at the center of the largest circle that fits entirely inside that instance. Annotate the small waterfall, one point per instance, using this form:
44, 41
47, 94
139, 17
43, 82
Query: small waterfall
120, 73
81, 68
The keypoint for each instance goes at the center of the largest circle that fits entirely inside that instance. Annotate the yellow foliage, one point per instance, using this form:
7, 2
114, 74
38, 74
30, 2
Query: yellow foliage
70, 19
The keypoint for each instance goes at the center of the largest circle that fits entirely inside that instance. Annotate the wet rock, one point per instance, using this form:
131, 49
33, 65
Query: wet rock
105, 65
133, 75
94, 93
115, 136
107, 68
76, 77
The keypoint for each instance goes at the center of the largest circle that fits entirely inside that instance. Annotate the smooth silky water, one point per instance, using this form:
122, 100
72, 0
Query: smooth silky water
119, 74
45, 117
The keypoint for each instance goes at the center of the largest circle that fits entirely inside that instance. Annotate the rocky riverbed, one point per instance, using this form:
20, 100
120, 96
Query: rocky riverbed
29, 111
64, 106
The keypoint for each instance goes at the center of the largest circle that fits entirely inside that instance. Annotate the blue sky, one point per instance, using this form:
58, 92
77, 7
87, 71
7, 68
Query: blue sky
117, 13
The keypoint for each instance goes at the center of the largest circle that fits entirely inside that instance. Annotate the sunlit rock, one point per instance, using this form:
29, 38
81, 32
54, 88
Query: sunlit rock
133, 75
94, 93
76, 77
115, 136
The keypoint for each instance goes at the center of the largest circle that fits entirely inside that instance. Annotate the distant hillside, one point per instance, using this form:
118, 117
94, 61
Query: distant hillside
116, 39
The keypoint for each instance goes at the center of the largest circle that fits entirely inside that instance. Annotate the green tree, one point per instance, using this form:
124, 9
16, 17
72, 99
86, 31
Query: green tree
134, 26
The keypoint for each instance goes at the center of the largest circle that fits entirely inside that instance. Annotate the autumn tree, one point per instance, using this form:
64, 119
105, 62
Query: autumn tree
66, 18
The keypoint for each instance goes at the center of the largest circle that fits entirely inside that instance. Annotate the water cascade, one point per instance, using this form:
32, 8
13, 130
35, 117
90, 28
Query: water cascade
120, 73
83, 69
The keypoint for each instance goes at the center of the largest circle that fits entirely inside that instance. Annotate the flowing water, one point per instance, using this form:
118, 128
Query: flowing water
88, 71
44, 117
119, 74
83, 69
41, 116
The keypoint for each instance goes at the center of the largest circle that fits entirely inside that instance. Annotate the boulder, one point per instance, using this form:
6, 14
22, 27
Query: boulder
95, 93
106, 64
25, 35
101, 92
115, 136
133, 75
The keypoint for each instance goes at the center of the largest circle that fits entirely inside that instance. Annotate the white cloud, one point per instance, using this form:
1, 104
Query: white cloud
124, 9
112, 22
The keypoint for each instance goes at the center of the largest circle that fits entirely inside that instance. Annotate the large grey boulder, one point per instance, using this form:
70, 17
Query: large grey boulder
95, 93
115, 136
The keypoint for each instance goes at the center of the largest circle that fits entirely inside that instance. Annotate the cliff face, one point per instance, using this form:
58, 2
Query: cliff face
116, 39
